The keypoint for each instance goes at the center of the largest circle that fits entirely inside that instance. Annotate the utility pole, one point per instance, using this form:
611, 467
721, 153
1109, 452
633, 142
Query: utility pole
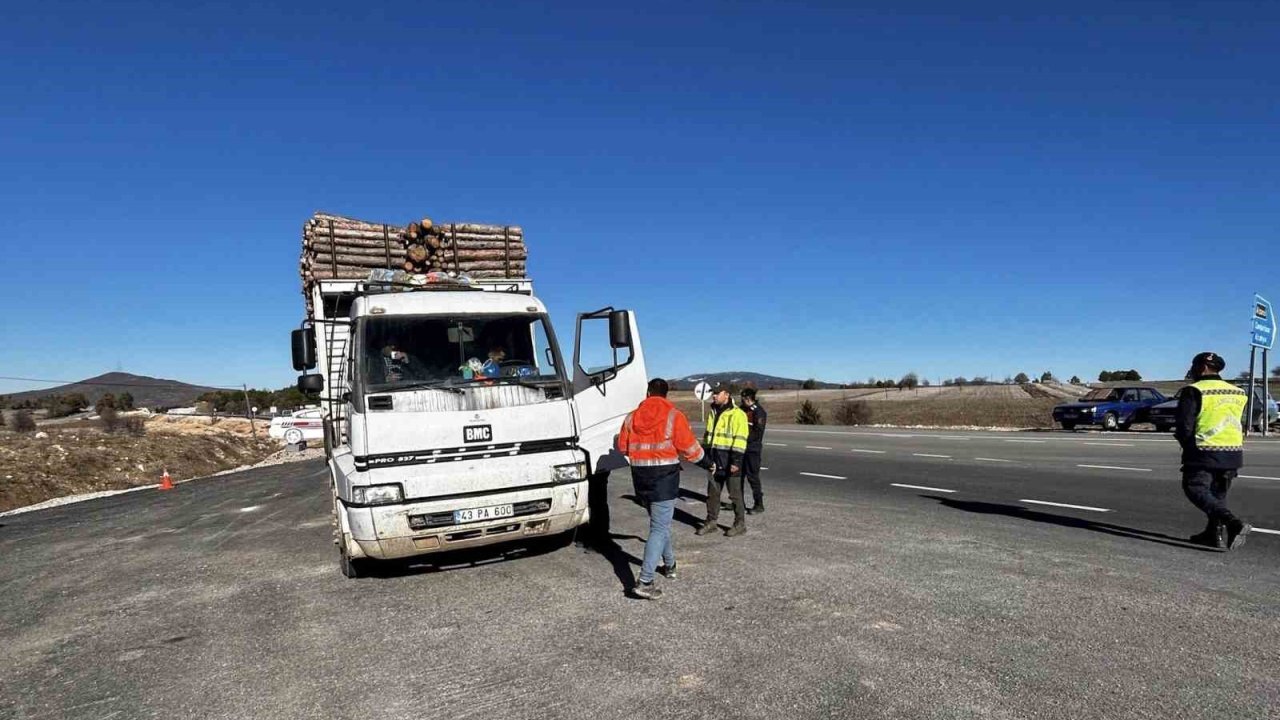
249, 413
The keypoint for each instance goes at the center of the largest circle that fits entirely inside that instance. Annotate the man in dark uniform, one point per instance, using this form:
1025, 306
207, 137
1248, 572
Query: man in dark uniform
756, 419
1212, 439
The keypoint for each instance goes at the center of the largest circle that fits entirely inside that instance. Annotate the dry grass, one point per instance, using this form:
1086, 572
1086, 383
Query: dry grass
74, 460
987, 406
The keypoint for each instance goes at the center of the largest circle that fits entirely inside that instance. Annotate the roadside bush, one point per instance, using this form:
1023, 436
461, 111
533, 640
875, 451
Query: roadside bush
135, 426
23, 422
853, 412
109, 419
808, 414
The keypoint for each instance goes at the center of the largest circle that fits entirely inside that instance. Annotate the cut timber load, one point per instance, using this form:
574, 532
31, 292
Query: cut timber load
340, 247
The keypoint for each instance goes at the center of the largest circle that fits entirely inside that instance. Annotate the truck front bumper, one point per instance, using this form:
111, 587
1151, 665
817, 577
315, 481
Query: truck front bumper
417, 528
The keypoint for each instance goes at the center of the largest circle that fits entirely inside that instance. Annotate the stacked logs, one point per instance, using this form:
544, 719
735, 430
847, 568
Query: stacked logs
336, 247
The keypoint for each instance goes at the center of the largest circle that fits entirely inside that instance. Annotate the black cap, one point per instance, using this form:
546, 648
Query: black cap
748, 393
1210, 361
721, 387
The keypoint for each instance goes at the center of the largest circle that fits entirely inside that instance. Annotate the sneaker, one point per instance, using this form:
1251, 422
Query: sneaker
1237, 533
736, 530
647, 591
707, 528
757, 510
669, 572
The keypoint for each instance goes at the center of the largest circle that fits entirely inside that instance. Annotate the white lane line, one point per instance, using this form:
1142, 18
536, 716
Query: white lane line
764, 468
872, 452
829, 477
816, 447
1257, 477
1268, 532
925, 487
777, 444
895, 435
948, 457
992, 459
1040, 442
1106, 444
1064, 505
1114, 467
251, 508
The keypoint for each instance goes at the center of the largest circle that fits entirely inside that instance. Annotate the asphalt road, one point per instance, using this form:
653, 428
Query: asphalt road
885, 581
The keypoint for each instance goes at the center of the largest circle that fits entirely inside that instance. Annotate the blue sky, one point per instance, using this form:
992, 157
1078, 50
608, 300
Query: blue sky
816, 190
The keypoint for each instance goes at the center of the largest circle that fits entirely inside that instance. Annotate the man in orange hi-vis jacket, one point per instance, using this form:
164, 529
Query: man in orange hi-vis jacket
654, 438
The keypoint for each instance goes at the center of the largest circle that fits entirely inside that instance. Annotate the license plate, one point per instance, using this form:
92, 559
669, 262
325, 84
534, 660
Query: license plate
492, 512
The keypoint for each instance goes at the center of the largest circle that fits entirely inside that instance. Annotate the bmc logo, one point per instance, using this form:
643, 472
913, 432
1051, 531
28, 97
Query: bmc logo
477, 433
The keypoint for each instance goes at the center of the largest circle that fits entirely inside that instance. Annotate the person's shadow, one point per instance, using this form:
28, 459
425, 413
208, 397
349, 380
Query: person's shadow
1017, 511
679, 515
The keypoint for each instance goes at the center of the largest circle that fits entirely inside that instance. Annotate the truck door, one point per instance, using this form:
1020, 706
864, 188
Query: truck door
609, 381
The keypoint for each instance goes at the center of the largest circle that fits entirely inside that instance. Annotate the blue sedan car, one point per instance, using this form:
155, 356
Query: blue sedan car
1110, 408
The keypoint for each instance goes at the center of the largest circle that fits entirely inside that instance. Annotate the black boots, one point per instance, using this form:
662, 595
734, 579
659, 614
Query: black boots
758, 508
1214, 535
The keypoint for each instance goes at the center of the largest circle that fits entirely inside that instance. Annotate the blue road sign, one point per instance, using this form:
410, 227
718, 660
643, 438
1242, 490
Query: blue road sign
1264, 324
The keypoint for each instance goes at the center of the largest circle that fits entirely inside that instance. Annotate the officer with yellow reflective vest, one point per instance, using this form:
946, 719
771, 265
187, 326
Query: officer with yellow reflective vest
726, 442
1212, 439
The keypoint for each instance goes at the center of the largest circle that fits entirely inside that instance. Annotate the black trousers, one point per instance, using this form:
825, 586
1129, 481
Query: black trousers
751, 474
715, 484
1207, 490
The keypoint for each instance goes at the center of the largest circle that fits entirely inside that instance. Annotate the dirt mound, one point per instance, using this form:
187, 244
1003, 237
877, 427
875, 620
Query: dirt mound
74, 460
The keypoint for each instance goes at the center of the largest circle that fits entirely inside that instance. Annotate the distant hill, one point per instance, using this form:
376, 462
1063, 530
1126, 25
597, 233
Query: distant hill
147, 392
742, 378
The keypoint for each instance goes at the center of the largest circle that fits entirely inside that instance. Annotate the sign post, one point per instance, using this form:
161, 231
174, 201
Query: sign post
1264, 337
702, 391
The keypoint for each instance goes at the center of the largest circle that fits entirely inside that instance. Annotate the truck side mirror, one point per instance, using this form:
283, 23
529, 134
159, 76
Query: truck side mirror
620, 329
310, 384
304, 349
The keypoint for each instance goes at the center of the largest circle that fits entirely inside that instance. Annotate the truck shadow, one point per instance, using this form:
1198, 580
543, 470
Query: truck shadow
1017, 511
469, 557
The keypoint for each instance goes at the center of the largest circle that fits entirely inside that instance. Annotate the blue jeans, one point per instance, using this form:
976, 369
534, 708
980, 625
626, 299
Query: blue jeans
659, 543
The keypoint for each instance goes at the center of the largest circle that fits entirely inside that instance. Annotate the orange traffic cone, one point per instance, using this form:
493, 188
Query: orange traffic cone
166, 482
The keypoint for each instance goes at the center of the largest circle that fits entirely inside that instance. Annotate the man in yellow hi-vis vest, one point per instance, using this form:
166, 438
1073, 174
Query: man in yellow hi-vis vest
726, 442
1212, 439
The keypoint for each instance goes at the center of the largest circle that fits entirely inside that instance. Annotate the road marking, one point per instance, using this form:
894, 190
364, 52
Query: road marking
815, 447
1257, 477
1064, 505
1106, 444
829, 477
777, 444
895, 435
764, 468
251, 508
1269, 532
992, 459
1114, 467
948, 457
922, 487
1026, 441
873, 452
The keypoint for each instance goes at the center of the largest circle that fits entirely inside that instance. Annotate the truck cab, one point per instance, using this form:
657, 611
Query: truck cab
453, 420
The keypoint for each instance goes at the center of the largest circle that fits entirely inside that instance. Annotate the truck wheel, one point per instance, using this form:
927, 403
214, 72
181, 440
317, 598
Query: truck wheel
1068, 426
351, 568
1110, 422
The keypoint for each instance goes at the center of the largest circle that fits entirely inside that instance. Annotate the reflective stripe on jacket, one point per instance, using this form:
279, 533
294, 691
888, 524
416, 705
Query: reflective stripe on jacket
728, 430
657, 434
1222, 405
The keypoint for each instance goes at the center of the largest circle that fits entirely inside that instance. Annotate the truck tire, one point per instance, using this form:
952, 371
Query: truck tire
1110, 422
1068, 426
350, 567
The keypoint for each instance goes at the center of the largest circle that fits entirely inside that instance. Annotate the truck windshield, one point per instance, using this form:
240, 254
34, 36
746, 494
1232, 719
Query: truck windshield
402, 352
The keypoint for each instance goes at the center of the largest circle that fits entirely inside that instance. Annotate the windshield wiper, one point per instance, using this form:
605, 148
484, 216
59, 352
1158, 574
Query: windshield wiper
525, 382
425, 385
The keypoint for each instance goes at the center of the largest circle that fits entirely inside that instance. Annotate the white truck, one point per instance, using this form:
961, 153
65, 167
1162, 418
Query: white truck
427, 452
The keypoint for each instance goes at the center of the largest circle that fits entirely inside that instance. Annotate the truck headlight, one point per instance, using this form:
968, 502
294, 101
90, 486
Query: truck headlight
377, 494
569, 473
